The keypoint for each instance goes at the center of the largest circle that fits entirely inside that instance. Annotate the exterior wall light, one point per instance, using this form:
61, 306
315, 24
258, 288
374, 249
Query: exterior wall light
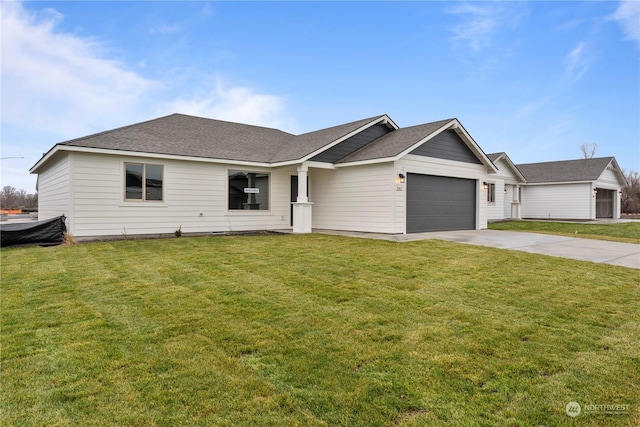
401, 178
485, 185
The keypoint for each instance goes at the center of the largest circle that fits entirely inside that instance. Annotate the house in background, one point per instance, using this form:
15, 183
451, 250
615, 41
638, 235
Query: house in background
207, 175
584, 189
572, 189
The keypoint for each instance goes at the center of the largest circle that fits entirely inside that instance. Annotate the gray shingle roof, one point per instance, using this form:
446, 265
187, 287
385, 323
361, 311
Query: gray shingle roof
394, 143
565, 171
184, 135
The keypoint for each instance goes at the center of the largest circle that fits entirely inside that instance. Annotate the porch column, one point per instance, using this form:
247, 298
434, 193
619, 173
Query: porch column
515, 204
302, 206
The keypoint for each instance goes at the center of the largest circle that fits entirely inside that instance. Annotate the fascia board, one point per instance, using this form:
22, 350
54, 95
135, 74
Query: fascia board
45, 157
618, 172
473, 146
512, 165
58, 148
557, 183
320, 165
366, 162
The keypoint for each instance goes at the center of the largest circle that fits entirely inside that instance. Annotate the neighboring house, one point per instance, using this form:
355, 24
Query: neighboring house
208, 175
570, 189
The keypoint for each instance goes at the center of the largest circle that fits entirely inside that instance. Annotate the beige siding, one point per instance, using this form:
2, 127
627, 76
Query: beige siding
357, 198
558, 201
195, 198
441, 167
54, 188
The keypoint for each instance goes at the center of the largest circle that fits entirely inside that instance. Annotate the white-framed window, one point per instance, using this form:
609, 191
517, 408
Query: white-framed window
143, 181
248, 190
491, 192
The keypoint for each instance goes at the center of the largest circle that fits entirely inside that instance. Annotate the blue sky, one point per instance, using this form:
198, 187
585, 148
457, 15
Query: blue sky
534, 79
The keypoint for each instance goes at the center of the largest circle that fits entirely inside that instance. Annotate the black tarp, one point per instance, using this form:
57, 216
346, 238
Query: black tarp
45, 233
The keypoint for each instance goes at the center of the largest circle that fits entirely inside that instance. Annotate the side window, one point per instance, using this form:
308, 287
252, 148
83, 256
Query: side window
143, 181
491, 193
248, 190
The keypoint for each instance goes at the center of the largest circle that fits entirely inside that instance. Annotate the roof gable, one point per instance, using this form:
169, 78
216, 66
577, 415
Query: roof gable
447, 145
409, 140
565, 171
395, 143
496, 158
352, 144
312, 143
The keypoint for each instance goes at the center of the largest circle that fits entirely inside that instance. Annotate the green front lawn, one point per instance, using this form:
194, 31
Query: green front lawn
314, 330
628, 232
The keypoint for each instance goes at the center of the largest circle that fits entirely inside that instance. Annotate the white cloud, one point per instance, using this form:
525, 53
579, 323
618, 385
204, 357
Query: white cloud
57, 85
62, 83
628, 15
482, 21
236, 104
58, 81
577, 63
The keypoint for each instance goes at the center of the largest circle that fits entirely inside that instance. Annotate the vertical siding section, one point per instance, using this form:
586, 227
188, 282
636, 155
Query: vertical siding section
356, 198
442, 167
54, 188
559, 201
195, 198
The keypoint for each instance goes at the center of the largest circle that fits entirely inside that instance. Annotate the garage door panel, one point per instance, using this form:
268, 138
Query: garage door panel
436, 203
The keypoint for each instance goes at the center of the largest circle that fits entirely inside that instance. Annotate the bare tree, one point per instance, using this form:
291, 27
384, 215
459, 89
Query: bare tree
589, 150
631, 192
10, 198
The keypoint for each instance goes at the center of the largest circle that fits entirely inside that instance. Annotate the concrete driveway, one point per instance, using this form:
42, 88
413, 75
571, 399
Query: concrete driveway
615, 253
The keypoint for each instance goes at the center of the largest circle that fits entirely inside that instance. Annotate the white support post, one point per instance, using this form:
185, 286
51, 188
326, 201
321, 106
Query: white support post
302, 184
515, 205
302, 207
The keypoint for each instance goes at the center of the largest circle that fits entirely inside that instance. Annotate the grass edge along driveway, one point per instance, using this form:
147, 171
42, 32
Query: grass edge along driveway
626, 232
314, 330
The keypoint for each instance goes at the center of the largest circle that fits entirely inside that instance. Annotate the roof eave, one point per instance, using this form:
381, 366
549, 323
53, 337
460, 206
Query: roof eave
114, 152
512, 165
